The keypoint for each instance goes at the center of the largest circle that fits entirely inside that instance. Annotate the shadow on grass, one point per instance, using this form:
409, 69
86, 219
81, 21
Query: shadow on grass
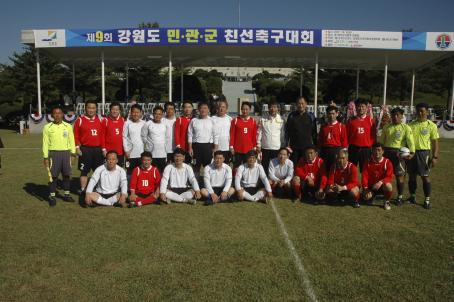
40, 192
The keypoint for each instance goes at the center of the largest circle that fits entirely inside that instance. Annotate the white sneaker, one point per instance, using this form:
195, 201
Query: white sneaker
387, 206
192, 202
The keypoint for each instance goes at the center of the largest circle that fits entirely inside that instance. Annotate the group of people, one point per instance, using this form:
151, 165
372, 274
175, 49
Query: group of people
214, 158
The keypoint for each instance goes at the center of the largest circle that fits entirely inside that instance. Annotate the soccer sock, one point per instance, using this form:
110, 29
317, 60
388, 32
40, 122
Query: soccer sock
248, 196
400, 189
174, 196
427, 188
259, 195
53, 186
66, 184
187, 195
412, 185
297, 189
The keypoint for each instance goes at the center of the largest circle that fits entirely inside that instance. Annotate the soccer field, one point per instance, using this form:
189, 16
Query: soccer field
228, 252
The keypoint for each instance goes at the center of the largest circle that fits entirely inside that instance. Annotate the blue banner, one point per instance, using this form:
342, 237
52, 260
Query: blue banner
193, 36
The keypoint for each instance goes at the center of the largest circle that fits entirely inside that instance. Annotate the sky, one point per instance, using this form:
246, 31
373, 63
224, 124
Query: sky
386, 15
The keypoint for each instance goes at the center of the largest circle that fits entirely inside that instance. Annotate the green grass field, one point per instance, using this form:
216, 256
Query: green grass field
229, 252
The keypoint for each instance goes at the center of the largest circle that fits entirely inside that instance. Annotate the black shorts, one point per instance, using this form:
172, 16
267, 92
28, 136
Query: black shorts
60, 162
358, 155
399, 164
179, 191
419, 164
251, 190
328, 154
239, 159
91, 158
296, 155
132, 163
203, 154
218, 190
107, 196
159, 163
267, 156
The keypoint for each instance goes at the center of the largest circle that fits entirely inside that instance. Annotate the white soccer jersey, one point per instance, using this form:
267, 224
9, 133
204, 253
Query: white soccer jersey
270, 132
172, 177
278, 172
132, 140
170, 138
222, 132
108, 182
201, 130
248, 177
213, 177
154, 138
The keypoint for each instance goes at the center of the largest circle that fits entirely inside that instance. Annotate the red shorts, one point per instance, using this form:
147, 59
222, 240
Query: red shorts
143, 200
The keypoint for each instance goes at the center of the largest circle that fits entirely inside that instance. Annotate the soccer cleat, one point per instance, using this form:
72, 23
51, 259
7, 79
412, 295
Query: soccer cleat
387, 206
356, 205
132, 204
427, 205
68, 198
412, 199
399, 201
208, 202
52, 201
192, 202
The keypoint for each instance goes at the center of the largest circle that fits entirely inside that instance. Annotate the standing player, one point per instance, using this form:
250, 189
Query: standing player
280, 173
181, 129
270, 135
113, 132
361, 135
377, 176
169, 121
217, 178
394, 136
300, 130
154, 138
426, 136
247, 180
343, 180
132, 139
175, 180
145, 181
243, 135
89, 137
109, 182
310, 176
58, 146
201, 137
222, 122
332, 137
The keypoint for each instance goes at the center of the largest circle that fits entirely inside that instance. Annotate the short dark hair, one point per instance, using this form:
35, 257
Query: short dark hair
136, 106
156, 108
311, 147
397, 110
223, 101
361, 101
169, 104
56, 107
251, 153
188, 102
301, 98
179, 151
273, 103
218, 152
91, 102
200, 104
111, 152
246, 104
284, 148
115, 104
422, 105
331, 108
146, 154
378, 145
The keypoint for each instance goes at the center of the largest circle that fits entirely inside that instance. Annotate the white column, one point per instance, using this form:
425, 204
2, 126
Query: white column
385, 81
127, 80
103, 84
38, 81
74, 77
316, 85
357, 82
170, 76
181, 84
301, 81
412, 91
450, 111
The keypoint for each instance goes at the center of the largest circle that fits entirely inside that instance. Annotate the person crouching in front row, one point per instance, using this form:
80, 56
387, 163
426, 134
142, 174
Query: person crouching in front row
145, 180
280, 173
217, 178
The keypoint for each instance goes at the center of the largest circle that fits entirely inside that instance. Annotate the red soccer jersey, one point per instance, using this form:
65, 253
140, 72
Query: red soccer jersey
361, 131
88, 131
181, 132
243, 134
347, 176
113, 134
333, 135
145, 181
374, 172
315, 169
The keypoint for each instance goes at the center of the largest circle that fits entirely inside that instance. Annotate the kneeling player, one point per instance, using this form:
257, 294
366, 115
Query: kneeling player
217, 178
107, 179
247, 180
280, 173
310, 176
343, 180
145, 181
175, 179
377, 176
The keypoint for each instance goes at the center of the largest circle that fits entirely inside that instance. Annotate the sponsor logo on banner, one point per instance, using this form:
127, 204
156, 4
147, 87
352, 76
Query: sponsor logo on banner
440, 41
50, 38
443, 41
